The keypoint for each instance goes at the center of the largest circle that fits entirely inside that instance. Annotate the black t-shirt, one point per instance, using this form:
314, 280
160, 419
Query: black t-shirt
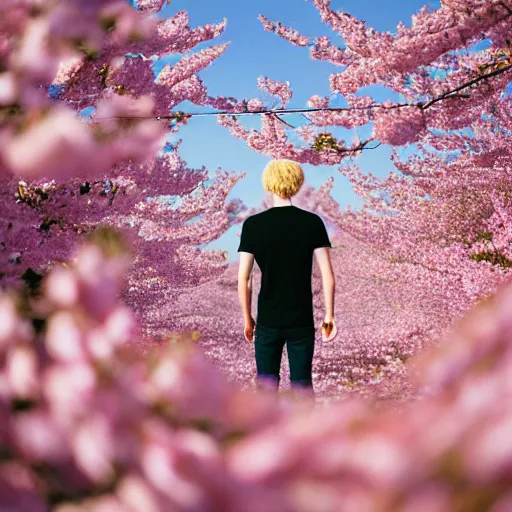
282, 240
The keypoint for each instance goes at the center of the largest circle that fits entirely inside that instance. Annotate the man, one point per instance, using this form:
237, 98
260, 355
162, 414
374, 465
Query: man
283, 240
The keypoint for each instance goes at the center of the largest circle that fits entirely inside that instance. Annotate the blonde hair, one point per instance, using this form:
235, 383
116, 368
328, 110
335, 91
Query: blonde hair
283, 178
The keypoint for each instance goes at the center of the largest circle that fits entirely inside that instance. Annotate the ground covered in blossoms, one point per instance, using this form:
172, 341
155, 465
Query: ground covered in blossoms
339, 370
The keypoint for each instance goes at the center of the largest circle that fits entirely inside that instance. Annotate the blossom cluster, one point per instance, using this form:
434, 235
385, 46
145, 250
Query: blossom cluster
41, 138
78, 106
63, 58
432, 64
43, 225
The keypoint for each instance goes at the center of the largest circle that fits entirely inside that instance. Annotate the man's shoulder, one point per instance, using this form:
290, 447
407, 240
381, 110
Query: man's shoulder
251, 218
255, 217
309, 216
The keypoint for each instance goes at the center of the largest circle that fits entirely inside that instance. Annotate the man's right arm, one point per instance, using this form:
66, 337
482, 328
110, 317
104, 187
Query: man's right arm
323, 258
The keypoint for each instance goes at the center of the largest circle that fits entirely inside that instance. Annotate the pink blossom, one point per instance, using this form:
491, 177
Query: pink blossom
63, 288
65, 339
187, 66
92, 444
399, 129
287, 33
22, 372
8, 88
409, 62
151, 5
282, 90
40, 438
9, 323
33, 56
139, 495
69, 389
40, 150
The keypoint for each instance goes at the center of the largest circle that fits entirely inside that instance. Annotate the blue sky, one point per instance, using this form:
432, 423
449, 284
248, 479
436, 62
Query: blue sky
254, 52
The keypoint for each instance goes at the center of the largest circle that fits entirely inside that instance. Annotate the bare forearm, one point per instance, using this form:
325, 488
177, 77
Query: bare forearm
328, 285
245, 296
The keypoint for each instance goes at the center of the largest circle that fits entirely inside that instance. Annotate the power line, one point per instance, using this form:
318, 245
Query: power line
278, 111
454, 93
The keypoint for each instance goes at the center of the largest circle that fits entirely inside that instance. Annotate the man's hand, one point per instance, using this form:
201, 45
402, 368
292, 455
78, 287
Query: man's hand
250, 326
329, 329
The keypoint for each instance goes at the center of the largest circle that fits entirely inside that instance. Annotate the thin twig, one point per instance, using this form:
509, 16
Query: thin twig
506, 7
360, 147
283, 121
466, 85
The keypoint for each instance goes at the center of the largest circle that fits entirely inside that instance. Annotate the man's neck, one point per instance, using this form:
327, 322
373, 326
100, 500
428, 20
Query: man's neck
278, 201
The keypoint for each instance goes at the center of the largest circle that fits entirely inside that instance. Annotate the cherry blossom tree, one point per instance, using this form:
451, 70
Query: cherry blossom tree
441, 217
62, 57
163, 235
102, 167
431, 240
445, 84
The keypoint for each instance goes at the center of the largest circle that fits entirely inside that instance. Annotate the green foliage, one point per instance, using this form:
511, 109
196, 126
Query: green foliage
110, 240
496, 258
326, 141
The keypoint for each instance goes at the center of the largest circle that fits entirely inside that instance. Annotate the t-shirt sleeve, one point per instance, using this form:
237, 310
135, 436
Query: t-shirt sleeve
320, 236
246, 238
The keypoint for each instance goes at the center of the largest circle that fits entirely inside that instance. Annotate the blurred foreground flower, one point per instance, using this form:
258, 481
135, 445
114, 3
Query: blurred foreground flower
87, 423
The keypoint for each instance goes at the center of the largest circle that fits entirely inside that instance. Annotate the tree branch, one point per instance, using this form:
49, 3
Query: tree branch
480, 78
506, 7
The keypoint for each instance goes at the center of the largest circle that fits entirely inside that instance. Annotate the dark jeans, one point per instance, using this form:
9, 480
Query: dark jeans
300, 345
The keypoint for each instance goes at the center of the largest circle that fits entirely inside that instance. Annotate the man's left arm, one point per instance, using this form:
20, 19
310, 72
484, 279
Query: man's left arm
245, 292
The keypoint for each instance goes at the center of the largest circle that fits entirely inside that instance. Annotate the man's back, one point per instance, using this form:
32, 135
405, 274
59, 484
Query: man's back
282, 240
